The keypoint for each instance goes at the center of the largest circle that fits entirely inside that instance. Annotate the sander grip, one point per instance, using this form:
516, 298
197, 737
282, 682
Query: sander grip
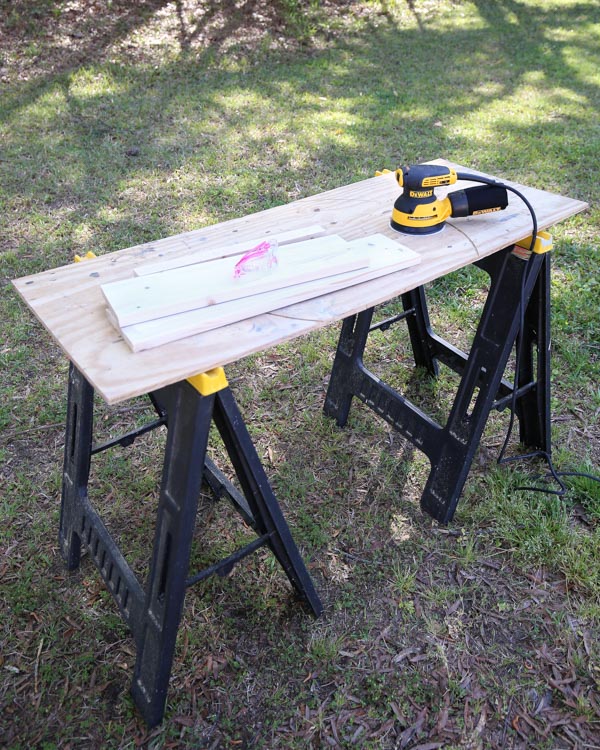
481, 199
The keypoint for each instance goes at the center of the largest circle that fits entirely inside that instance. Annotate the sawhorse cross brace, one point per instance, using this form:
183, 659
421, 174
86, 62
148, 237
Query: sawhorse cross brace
153, 614
517, 309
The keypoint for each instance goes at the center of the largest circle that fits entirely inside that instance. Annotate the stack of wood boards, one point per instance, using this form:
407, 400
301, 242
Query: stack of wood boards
163, 303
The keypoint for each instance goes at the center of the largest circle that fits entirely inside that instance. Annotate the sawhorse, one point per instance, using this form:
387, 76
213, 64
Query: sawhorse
153, 613
517, 309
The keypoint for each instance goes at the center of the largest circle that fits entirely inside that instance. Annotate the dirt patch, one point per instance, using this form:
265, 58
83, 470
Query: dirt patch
47, 38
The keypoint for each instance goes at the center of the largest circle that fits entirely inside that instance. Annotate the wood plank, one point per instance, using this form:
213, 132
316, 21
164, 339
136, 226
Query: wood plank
200, 285
198, 253
386, 256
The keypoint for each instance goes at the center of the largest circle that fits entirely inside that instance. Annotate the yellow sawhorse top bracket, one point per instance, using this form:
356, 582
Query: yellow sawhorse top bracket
88, 256
209, 382
543, 244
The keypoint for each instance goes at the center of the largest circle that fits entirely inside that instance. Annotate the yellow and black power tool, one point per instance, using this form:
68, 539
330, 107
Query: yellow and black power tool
419, 211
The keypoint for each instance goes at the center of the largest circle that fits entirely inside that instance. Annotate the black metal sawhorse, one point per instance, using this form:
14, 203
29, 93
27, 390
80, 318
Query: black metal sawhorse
153, 612
517, 309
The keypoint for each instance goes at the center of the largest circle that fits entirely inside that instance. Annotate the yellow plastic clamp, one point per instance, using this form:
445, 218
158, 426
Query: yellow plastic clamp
88, 256
207, 383
379, 172
543, 242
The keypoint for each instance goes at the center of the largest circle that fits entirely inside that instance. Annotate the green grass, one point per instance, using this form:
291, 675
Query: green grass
121, 123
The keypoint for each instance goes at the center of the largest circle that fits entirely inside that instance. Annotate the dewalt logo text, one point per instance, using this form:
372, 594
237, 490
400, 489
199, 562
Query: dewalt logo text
486, 211
420, 193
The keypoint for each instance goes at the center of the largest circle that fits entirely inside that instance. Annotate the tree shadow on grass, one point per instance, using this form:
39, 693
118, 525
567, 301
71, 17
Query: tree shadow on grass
299, 119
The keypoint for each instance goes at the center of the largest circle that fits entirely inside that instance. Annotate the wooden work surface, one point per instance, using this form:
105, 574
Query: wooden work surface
69, 303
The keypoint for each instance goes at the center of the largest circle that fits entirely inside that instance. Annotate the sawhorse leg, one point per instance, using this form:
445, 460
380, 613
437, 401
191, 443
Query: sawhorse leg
533, 405
450, 448
153, 614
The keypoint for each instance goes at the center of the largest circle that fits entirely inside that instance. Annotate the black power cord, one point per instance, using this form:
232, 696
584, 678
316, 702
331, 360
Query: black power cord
502, 459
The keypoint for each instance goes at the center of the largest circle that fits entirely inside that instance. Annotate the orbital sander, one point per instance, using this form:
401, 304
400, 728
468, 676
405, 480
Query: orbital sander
419, 211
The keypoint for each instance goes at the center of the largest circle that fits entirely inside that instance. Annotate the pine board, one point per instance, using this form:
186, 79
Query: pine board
386, 256
198, 253
200, 285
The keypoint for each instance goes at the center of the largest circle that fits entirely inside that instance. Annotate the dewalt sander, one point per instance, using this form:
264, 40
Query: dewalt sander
419, 211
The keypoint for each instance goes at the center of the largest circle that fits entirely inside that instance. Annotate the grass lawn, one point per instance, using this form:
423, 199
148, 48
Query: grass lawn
126, 122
